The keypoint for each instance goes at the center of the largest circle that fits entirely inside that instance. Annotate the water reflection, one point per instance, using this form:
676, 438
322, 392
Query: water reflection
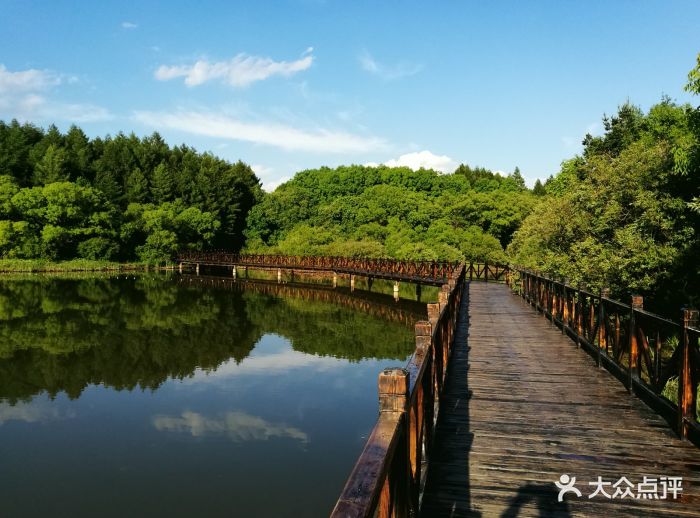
63, 334
237, 426
35, 412
159, 395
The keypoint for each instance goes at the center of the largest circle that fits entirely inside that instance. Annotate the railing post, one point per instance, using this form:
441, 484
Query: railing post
443, 296
433, 313
637, 303
602, 329
393, 398
564, 306
393, 390
686, 388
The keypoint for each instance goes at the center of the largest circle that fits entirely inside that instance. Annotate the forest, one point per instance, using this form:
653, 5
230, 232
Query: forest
624, 213
392, 212
122, 198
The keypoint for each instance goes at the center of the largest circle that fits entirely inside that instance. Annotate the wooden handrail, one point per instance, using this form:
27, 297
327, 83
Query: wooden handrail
387, 478
635, 345
409, 270
433, 272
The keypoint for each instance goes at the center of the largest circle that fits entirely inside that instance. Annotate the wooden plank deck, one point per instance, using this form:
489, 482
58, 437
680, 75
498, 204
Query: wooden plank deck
524, 406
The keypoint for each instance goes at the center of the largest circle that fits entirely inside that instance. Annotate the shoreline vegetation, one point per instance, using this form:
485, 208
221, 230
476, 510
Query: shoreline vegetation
11, 266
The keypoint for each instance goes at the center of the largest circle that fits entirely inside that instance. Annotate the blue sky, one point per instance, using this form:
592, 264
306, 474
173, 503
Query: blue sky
290, 85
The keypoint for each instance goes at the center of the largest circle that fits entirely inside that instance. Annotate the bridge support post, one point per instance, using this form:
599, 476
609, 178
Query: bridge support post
396, 290
370, 281
245, 271
335, 280
233, 271
633, 365
687, 390
197, 269
180, 267
279, 274
352, 282
419, 290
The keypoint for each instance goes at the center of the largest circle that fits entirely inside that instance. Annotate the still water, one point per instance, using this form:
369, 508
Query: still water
156, 395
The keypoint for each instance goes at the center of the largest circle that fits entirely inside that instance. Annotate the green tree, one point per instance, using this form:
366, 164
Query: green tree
539, 189
136, 187
51, 168
162, 184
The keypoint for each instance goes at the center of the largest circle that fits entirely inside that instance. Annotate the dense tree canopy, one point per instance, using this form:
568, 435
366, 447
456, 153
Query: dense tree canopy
622, 214
391, 212
121, 198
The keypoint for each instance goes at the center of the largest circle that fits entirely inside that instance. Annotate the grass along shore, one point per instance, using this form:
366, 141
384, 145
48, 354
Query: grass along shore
75, 265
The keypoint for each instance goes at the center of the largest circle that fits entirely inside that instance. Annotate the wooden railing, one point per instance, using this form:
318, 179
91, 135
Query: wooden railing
649, 353
435, 272
387, 478
488, 272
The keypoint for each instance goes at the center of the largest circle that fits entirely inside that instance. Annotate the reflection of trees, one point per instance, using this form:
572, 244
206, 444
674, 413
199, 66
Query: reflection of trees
61, 334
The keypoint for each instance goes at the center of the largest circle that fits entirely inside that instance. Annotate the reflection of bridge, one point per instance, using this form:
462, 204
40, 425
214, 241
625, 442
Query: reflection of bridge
406, 312
497, 405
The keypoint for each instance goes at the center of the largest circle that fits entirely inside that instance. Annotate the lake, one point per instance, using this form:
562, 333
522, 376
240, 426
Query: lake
169, 395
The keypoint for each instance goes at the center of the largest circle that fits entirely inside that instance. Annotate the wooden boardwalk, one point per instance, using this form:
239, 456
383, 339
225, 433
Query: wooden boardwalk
525, 406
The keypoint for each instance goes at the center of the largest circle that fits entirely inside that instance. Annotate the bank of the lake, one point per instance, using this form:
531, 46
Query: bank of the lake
74, 265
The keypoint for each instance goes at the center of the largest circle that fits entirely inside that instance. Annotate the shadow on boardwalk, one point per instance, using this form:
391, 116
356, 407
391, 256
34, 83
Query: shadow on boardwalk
523, 406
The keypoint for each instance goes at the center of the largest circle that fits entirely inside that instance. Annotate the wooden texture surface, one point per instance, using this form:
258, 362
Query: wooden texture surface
523, 406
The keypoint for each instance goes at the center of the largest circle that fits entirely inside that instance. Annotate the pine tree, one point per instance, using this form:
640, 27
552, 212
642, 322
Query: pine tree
518, 178
136, 187
51, 168
538, 189
162, 184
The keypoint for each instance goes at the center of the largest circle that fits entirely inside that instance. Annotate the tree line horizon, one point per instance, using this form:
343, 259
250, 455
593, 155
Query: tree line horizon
622, 214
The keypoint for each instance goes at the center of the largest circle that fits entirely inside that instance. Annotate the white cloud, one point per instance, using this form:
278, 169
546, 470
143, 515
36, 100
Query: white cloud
23, 81
238, 426
75, 112
23, 95
421, 159
240, 71
129, 25
388, 72
272, 134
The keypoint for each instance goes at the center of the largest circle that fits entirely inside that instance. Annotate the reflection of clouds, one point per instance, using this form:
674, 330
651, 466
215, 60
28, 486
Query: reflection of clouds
239, 426
34, 412
270, 358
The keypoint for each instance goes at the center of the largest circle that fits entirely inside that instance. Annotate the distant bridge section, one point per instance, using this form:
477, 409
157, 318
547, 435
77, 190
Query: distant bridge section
435, 273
